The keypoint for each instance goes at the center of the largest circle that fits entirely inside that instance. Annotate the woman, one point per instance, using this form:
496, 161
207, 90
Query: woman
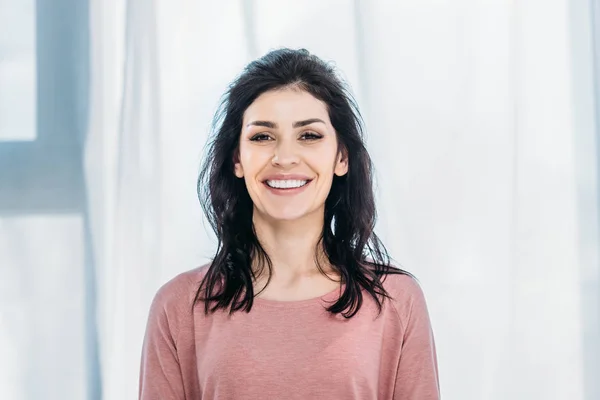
300, 300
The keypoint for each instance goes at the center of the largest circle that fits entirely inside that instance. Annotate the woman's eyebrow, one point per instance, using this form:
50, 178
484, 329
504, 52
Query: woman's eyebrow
266, 124
297, 124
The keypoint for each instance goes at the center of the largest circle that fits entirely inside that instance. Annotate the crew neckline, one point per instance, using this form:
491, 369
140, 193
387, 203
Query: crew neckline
328, 297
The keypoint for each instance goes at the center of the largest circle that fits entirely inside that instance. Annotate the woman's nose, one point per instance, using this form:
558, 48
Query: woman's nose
285, 153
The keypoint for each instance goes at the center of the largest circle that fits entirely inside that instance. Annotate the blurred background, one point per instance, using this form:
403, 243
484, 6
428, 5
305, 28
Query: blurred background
482, 120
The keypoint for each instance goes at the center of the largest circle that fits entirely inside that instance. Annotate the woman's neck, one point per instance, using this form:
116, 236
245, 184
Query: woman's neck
292, 246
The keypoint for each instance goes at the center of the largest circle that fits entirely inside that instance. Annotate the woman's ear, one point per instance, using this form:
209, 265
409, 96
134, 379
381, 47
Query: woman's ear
341, 165
237, 165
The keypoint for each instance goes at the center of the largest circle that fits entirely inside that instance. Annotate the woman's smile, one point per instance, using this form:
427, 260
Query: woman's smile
287, 187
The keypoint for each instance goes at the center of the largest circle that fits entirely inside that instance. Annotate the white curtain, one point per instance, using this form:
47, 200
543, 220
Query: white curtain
481, 125
481, 120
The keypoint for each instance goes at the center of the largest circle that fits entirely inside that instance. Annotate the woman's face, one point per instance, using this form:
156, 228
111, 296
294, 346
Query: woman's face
288, 154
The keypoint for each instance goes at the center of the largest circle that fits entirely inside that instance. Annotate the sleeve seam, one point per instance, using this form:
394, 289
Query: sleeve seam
181, 302
403, 326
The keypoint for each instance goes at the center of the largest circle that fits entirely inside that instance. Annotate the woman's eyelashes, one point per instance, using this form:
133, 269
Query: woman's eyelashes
305, 136
260, 137
311, 136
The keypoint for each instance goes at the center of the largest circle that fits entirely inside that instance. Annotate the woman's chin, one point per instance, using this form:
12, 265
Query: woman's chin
281, 215
275, 213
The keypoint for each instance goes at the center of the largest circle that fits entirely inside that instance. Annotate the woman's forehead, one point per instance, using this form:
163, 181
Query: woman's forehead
286, 105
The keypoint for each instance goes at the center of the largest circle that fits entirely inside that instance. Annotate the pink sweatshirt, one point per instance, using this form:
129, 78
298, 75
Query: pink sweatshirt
287, 350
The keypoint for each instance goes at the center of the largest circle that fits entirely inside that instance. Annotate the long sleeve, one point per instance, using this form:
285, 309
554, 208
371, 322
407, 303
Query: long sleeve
417, 376
161, 376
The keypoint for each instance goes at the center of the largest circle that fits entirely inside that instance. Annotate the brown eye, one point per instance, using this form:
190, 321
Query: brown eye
260, 137
311, 136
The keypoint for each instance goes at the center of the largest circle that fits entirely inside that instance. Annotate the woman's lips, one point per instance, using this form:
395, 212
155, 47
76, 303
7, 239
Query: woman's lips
287, 191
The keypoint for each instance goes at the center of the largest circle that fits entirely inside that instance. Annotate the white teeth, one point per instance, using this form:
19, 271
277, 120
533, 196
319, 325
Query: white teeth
286, 184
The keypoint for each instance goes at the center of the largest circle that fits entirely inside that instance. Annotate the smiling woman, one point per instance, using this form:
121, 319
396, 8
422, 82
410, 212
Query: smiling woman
300, 300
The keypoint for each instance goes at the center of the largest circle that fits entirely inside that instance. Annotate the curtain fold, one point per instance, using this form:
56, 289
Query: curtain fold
124, 171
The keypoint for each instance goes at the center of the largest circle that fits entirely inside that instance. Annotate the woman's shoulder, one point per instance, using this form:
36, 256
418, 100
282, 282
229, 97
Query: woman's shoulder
178, 293
401, 282
406, 293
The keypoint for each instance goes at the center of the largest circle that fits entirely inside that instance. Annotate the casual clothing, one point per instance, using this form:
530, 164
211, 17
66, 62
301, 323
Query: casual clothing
287, 350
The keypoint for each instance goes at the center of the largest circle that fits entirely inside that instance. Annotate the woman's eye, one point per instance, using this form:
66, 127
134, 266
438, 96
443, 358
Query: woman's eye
311, 136
260, 137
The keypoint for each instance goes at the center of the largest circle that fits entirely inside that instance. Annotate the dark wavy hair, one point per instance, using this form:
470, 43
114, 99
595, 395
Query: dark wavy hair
348, 239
